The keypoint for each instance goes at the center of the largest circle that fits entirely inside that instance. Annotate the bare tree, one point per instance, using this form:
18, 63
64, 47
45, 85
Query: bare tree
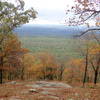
82, 12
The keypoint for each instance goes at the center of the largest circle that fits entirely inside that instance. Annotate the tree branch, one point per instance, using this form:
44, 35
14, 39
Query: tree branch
89, 30
93, 66
96, 38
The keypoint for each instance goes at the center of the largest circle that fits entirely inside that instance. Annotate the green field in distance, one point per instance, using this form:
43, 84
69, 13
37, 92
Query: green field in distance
60, 47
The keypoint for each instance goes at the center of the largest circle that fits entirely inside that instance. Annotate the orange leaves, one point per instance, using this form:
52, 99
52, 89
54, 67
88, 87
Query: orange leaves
11, 52
98, 21
76, 62
7, 68
2, 54
39, 65
12, 44
24, 50
74, 70
46, 58
95, 49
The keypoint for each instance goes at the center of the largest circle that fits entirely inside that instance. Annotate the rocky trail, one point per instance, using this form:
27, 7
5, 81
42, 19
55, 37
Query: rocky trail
44, 90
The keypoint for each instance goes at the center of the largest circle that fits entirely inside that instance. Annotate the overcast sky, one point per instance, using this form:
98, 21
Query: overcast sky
49, 11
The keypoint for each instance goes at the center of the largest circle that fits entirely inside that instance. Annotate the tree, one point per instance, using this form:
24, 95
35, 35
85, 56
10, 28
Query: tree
73, 70
39, 66
61, 68
11, 55
90, 50
95, 61
30, 67
84, 11
11, 16
86, 64
49, 66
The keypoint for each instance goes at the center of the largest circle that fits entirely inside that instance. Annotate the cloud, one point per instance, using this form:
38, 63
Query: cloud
49, 11
43, 21
48, 4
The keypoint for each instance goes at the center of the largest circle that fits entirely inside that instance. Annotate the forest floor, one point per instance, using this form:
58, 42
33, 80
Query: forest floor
46, 90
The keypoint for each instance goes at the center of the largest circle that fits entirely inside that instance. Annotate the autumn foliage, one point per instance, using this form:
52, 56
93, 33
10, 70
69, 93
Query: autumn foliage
18, 63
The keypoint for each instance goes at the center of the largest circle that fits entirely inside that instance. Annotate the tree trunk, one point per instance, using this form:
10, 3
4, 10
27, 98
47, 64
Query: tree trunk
22, 74
1, 76
10, 76
1, 70
85, 75
95, 77
86, 66
97, 71
61, 72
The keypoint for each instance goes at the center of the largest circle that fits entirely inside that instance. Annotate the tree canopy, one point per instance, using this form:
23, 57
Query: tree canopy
13, 15
84, 10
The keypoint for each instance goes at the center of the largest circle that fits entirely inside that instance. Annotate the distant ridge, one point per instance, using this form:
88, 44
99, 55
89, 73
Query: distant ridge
48, 30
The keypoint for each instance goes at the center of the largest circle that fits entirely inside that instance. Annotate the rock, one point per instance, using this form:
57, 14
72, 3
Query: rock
46, 88
34, 86
12, 82
41, 84
47, 93
76, 94
51, 84
54, 97
70, 99
32, 90
15, 98
24, 92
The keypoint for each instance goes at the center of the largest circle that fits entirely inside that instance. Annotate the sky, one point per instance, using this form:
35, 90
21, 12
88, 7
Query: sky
49, 11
